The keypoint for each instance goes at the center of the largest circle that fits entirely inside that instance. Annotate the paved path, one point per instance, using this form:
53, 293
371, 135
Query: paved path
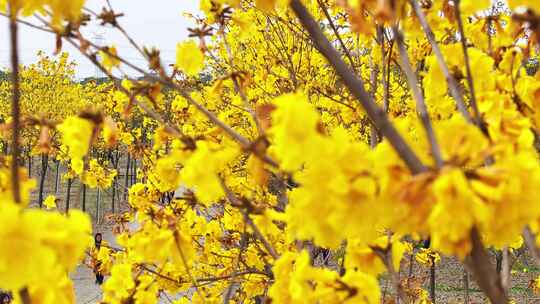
86, 289
84, 281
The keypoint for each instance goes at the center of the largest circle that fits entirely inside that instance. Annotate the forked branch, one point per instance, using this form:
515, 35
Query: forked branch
356, 86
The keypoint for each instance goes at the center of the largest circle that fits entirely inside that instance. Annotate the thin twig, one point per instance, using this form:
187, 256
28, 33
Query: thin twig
130, 40
29, 24
385, 66
385, 254
194, 281
237, 86
419, 98
169, 83
336, 32
243, 245
373, 136
474, 105
451, 81
260, 236
466, 285
237, 203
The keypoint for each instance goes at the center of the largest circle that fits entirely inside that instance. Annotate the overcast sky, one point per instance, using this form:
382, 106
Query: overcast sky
157, 23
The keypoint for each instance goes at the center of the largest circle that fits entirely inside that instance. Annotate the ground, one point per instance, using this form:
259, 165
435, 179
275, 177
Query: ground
86, 291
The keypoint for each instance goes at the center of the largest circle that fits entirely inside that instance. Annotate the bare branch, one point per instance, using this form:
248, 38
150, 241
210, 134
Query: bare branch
245, 143
474, 104
243, 245
29, 24
485, 274
194, 281
385, 254
385, 64
237, 86
356, 86
336, 32
374, 136
452, 83
167, 82
236, 202
418, 97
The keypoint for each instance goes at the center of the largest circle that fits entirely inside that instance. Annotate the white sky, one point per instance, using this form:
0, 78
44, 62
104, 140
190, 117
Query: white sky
158, 23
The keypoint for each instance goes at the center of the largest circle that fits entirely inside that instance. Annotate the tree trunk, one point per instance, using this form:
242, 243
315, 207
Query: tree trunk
114, 158
84, 198
127, 177
134, 172
44, 165
498, 260
68, 195
113, 194
56, 179
411, 267
29, 165
466, 285
506, 268
432, 282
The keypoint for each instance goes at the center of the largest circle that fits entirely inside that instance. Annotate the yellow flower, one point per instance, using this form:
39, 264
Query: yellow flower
294, 127
50, 202
189, 58
469, 7
179, 103
532, 4
427, 257
109, 58
33, 243
296, 281
118, 286
76, 135
201, 170
246, 24
535, 285
60, 10
98, 176
167, 175
268, 5
110, 132
456, 211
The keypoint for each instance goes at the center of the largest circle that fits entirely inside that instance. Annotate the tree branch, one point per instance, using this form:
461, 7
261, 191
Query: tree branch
452, 84
336, 32
356, 86
485, 274
237, 203
418, 97
474, 105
